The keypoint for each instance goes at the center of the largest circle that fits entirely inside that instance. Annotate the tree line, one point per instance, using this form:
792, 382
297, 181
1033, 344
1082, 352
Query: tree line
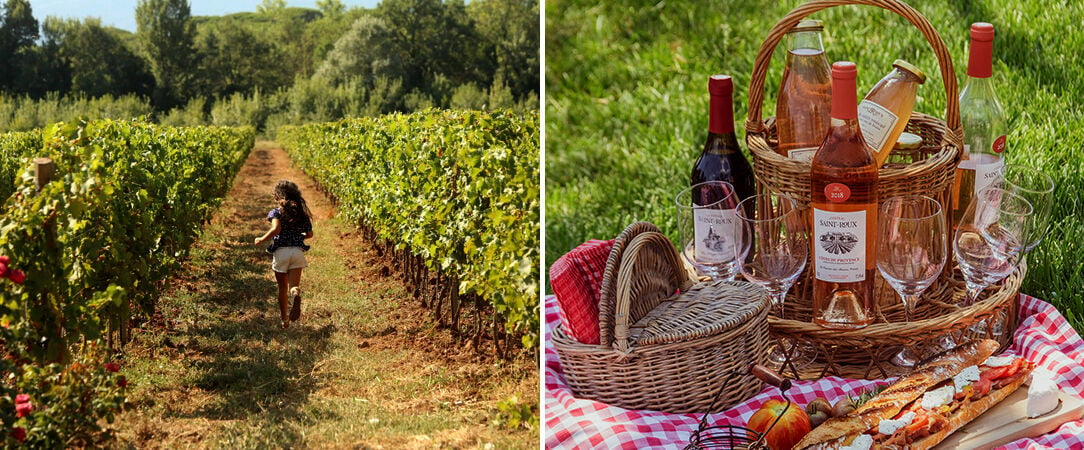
276, 65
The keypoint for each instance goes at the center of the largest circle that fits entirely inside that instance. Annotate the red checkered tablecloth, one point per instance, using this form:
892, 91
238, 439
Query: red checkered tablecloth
1044, 337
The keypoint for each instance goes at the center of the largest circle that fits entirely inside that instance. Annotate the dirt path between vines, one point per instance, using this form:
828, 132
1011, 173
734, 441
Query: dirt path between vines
364, 368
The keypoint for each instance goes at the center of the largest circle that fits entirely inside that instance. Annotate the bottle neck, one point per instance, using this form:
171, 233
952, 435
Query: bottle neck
721, 114
978, 85
805, 39
980, 59
844, 106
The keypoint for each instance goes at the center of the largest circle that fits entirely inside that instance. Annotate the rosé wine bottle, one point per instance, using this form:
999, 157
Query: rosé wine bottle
843, 181
805, 94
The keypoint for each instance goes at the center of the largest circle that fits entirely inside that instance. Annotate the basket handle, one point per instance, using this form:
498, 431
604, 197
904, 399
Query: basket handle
755, 124
630, 308
608, 292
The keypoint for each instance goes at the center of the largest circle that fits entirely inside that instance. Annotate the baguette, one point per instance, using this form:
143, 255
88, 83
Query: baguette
833, 432
967, 413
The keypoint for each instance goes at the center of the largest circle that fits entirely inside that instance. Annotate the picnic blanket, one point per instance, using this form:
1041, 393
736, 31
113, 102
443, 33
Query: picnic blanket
1043, 337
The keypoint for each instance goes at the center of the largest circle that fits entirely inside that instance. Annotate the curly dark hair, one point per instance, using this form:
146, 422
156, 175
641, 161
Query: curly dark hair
295, 210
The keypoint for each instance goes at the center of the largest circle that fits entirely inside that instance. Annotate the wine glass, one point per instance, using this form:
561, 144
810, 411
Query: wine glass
990, 238
706, 228
772, 248
1038, 189
912, 249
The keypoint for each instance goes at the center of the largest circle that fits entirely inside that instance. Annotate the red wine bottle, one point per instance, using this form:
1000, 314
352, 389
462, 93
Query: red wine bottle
722, 159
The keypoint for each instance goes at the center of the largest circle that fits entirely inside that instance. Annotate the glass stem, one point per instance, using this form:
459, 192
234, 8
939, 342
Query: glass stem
909, 302
973, 291
777, 302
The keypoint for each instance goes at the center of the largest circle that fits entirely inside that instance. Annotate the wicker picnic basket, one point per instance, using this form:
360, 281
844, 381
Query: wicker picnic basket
664, 351
864, 353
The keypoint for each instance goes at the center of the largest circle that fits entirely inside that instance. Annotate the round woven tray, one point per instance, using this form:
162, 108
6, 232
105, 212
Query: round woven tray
664, 351
864, 353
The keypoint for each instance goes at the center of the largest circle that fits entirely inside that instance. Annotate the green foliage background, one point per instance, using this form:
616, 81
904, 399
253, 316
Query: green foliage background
626, 103
274, 66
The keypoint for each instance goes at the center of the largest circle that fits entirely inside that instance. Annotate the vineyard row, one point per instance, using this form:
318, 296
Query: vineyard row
127, 200
454, 195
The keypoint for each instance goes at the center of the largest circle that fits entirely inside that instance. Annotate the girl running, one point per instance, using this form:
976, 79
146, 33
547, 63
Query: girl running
291, 224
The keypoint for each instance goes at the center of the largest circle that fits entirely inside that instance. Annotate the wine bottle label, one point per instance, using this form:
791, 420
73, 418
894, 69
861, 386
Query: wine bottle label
840, 245
802, 154
713, 230
986, 169
876, 122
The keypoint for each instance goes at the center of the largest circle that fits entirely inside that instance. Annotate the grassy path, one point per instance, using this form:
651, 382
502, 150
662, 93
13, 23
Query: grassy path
362, 369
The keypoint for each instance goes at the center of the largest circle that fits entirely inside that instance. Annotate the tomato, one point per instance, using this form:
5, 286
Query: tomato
1014, 367
994, 373
920, 422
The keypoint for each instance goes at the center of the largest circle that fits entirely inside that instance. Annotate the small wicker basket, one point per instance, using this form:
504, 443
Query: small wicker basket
863, 353
664, 351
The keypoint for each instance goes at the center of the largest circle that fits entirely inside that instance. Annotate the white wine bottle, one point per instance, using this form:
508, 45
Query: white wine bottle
983, 121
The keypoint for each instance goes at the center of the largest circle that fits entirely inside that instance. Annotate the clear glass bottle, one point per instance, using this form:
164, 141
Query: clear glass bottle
805, 95
844, 182
884, 113
983, 121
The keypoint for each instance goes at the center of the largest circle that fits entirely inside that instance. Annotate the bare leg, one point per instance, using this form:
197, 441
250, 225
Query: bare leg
295, 282
284, 296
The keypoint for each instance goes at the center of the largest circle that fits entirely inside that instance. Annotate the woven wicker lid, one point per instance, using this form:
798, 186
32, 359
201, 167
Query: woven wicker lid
705, 309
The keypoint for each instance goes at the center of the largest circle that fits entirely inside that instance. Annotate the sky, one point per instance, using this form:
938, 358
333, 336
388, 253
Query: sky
121, 13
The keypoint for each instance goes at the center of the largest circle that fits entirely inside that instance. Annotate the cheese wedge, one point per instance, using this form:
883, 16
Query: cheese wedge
1042, 394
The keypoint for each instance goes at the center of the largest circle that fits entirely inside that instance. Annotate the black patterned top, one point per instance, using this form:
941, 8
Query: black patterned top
290, 235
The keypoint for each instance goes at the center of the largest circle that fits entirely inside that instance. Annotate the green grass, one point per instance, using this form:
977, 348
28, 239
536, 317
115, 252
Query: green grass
626, 103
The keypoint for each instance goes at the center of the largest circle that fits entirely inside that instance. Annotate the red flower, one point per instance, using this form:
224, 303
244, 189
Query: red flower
22, 398
112, 366
18, 433
5, 260
22, 409
122, 382
17, 276
3, 269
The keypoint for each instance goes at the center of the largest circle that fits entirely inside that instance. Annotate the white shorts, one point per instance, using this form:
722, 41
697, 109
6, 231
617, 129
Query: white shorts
287, 258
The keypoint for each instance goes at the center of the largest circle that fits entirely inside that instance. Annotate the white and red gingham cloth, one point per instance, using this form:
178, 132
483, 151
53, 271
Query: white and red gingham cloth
576, 279
1044, 337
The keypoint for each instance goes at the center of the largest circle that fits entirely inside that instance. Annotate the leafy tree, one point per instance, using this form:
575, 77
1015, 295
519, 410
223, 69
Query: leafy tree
287, 30
234, 59
459, 55
271, 6
18, 31
366, 51
166, 33
320, 35
97, 60
510, 31
416, 37
42, 69
330, 8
